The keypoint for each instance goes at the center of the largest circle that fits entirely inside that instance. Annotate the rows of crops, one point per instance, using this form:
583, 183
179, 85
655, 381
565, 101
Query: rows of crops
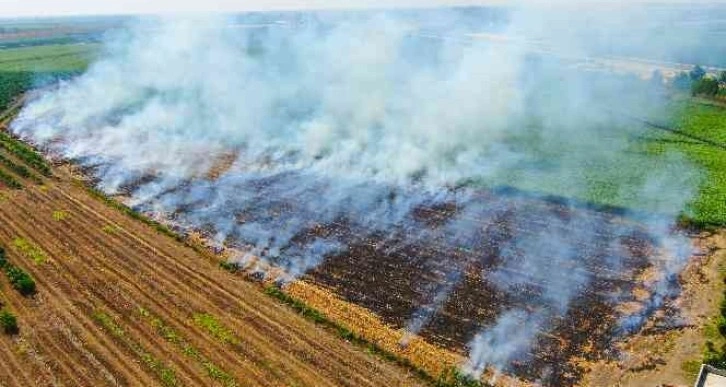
27, 67
709, 207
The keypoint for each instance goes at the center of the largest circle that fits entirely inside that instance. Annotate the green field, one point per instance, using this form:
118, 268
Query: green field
709, 209
23, 68
608, 181
48, 58
634, 177
648, 164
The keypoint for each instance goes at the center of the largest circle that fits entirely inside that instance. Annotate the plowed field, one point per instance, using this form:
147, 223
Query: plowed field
120, 304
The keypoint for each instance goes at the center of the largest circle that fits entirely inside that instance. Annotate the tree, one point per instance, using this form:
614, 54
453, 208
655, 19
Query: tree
722, 77
697, 73
705, 86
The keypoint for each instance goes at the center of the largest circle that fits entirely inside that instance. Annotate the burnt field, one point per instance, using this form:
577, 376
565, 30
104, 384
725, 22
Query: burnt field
356, 166
578, 277
442, 286
439, 283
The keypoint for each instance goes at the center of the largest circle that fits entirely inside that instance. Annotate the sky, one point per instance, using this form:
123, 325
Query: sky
14, 8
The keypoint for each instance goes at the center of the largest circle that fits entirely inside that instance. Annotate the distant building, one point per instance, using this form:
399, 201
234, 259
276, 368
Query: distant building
711, 377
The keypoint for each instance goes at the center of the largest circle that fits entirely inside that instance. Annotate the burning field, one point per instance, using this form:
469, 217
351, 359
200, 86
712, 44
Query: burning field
493, 295
531, 285
483, 198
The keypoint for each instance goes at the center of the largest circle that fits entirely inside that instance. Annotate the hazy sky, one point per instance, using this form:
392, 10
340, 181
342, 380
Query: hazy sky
65, 7
11, 8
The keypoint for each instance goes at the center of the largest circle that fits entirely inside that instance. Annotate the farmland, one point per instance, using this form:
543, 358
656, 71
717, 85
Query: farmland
48, 58
708, 122
110, 301
134, 307
615, 184
185, 299
28, 63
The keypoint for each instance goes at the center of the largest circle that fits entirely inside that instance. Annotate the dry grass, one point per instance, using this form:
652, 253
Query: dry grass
80, 329
430, 358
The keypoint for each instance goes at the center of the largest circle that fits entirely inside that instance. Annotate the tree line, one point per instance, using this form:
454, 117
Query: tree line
699, 82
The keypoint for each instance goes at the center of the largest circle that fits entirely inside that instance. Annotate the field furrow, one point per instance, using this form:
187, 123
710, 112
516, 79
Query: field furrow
100, 274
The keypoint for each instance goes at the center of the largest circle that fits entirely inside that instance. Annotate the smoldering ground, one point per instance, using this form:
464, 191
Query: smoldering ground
346, 131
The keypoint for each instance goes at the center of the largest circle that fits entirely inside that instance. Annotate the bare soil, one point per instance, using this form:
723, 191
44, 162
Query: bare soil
671, 357
103, 263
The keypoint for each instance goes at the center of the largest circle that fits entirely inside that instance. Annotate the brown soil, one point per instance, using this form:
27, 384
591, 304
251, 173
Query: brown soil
671, 357
103, 263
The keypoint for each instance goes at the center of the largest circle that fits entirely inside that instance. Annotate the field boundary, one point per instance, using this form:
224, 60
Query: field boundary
448, 372
440, 370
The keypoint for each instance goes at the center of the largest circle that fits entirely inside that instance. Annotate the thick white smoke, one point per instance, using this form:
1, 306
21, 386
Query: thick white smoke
357, 123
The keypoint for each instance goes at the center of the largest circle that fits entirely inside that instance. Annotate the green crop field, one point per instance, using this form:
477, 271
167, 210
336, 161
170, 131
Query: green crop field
49, 58
608, 182
580, 171
708, 122
25, 67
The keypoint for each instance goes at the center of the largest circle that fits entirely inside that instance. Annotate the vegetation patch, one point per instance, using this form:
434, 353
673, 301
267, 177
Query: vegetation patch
232, 267
60, 215
166, 374
162, 229
110, 229
703, 117
19, 170
31, 251
214, 327
47, 58
19, 279
8, 322
691, 368
715, 353
714, 333
25, 153
170, 335
9, 181
708, 210
25, 68
451, 377
13, 84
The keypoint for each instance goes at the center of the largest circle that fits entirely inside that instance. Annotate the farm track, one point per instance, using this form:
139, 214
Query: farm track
101, 261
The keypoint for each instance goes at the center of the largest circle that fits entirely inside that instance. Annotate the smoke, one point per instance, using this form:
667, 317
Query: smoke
293, 142
510, 336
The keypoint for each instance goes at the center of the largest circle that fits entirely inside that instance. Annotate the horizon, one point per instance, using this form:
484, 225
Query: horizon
40, 9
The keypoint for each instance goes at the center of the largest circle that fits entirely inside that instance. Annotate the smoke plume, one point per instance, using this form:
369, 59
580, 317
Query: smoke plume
260, 136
